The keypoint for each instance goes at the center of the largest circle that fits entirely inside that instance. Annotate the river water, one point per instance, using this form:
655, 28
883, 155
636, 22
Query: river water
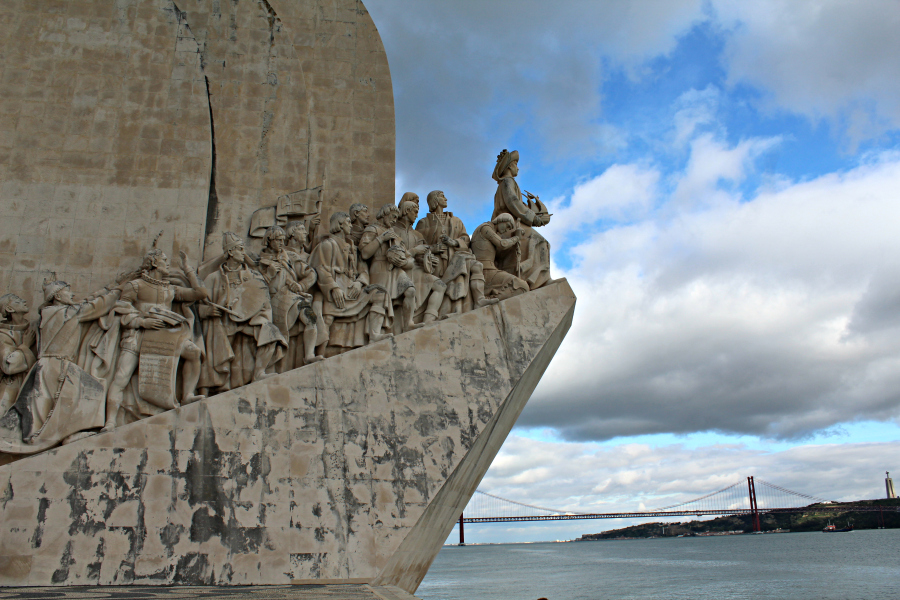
796, 566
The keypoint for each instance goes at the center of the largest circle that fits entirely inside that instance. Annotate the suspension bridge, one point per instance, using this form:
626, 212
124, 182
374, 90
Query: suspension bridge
750, 497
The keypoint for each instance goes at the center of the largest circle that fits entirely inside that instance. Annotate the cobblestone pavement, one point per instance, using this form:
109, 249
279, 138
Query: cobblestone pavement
262, 592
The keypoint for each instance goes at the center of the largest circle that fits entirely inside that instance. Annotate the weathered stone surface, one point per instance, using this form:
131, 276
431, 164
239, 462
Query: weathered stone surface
352, 469
261, 592
121, 118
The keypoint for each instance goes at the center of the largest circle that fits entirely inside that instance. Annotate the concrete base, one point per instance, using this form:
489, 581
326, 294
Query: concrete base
257, 592
350, 470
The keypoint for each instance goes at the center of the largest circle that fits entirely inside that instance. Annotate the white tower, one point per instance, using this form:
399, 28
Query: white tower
889, 485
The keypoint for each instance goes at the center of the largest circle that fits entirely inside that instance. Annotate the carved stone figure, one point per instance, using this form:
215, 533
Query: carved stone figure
410, 197
297, 240
241, 340
390, 263
359, 220
353, 309
59, 398
492, 243
290, 280
155, 338
430, 289
17, 354
532, 263
458, 269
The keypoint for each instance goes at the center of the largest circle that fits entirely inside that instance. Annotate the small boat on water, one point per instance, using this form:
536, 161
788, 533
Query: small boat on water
832, 529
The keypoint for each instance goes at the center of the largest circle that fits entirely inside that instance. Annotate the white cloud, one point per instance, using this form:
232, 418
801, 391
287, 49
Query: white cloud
712, 163
585, 477
694, 110
831, 59
747, 316
621, 193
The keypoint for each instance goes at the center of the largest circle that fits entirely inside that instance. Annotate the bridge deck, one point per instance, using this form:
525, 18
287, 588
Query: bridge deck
674, 513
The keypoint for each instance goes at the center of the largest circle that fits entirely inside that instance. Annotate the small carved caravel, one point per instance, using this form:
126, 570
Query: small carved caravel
163, 336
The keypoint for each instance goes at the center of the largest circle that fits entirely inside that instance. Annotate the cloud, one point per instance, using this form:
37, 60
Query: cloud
621, 193
585, 477
747, 316
829, 59
469, 77
694, 110
712, 163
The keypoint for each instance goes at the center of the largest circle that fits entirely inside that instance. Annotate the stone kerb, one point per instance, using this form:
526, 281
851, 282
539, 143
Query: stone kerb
352, 469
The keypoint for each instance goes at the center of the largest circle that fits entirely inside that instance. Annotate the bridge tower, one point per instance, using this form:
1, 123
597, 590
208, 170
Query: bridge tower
754, 509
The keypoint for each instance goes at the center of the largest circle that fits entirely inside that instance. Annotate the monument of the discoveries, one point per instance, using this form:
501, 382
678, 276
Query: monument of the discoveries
230, 353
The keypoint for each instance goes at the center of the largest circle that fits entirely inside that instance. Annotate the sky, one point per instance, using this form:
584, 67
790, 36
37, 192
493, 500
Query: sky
725, 183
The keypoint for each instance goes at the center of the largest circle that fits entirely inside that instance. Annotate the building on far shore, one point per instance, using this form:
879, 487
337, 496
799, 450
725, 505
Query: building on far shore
889, 485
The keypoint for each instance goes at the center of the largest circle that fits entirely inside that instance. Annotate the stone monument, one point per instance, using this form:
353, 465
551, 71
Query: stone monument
311, 388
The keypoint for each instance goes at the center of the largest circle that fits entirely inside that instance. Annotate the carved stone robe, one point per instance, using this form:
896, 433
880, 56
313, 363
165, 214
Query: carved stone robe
457, 264
59, 397
15, 361
232, 342
338, 266
421, 277
395, 279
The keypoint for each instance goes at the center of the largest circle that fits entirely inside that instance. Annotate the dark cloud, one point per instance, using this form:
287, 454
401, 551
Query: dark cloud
470, 78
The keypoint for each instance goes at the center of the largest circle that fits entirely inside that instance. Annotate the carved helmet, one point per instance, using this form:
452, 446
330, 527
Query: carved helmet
231, 240
51, 287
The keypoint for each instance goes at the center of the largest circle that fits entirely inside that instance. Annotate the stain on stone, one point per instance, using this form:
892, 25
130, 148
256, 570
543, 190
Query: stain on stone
7, 494
61, 575
428, 424
317, 510
308, 564
205, 525
469, 434
81, 480
212, 204
354, 507
43, 505
93, 568
244, 407
320, 534
194, 569
169, 536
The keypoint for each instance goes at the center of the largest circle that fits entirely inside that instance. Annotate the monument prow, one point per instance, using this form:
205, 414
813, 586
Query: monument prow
351, 470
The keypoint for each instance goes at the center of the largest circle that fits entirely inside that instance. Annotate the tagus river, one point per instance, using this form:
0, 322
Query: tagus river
799, 566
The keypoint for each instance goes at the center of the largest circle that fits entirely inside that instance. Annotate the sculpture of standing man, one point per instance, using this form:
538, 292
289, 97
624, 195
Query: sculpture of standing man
359, 220
352, 308
241, 340
449, 242
155, 337
430, 289
290, 282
